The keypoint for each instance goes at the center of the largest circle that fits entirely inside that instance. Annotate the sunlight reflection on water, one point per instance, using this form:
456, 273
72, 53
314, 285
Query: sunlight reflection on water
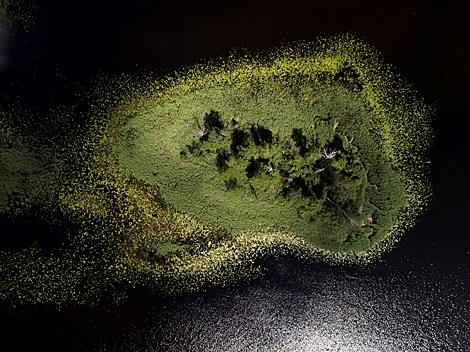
311, 308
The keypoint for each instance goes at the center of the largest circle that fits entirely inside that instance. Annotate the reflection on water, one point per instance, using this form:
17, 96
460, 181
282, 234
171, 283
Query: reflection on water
314, 308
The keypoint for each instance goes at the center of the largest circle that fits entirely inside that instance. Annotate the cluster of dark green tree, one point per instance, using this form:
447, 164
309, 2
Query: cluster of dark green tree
316, 170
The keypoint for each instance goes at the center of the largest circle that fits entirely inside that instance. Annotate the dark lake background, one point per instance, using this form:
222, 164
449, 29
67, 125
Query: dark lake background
415, 299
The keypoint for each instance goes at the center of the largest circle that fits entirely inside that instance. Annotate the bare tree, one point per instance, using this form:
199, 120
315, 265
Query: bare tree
329, 154
270, 168
343, 213
290, 178
201, 132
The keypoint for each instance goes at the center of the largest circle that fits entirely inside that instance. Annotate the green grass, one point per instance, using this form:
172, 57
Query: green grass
151, 145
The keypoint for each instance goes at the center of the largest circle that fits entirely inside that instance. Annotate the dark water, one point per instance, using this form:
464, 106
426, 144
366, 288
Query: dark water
415, 299
316, 309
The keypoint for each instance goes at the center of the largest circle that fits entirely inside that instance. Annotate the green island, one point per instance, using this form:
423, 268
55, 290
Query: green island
315, 150
280, 158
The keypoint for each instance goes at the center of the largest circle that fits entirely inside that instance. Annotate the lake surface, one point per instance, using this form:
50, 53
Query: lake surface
415, 299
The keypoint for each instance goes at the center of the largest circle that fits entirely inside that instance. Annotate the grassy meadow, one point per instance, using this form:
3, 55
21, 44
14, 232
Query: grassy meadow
156, 147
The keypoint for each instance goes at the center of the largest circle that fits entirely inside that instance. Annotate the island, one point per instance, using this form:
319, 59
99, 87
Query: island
179, 183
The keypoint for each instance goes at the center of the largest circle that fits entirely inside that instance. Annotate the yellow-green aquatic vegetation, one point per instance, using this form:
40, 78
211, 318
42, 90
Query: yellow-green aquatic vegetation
18, 13
316, 150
